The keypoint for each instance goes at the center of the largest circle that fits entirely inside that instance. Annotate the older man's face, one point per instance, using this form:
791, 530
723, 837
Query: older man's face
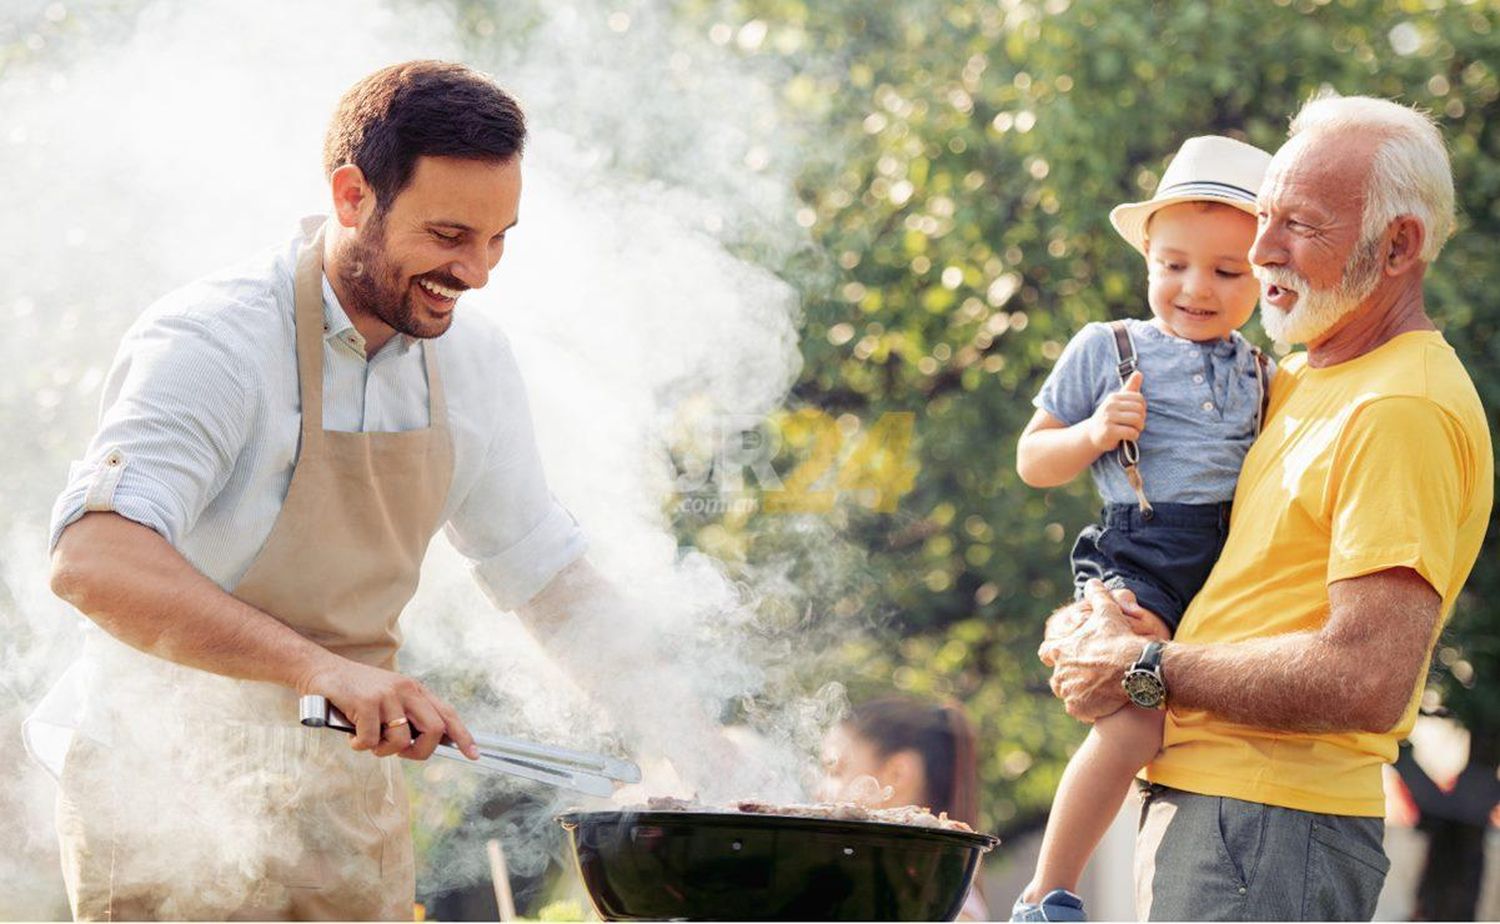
1309, 255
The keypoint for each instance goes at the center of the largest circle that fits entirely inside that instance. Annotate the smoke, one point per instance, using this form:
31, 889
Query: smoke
147, 145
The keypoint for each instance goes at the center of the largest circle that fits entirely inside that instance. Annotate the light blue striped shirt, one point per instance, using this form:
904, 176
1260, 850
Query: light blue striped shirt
199, 420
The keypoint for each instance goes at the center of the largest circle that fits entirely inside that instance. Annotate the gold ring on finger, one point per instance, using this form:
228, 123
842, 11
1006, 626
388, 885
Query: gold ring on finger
394, 723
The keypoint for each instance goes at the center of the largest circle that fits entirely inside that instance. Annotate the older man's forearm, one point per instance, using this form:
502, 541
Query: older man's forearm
1297, 682
1358, 673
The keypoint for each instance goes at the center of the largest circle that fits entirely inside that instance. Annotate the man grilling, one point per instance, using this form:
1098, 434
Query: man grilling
277, 446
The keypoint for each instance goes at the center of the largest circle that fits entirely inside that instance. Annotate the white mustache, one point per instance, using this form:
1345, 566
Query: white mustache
1284, 278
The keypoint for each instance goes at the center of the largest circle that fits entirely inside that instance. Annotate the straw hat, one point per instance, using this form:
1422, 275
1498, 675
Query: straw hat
1210, 168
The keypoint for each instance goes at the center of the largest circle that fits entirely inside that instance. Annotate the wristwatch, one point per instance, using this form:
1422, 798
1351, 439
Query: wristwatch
1144, 683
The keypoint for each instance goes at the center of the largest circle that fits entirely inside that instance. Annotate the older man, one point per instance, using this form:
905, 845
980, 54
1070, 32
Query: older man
1358, 516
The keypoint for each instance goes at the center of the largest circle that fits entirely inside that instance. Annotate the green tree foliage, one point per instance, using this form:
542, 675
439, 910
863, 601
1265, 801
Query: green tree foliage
965, 158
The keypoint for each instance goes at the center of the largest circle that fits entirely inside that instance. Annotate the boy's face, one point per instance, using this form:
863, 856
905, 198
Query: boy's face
1197, 258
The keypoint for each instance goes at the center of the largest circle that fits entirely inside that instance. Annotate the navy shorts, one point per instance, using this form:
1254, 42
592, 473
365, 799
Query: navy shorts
1164, 560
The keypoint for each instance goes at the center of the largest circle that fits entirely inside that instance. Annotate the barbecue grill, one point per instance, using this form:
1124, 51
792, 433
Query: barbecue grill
707, 866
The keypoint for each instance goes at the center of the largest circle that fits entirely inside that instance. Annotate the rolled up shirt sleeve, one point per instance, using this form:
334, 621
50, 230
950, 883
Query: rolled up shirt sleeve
516, 535
173, 418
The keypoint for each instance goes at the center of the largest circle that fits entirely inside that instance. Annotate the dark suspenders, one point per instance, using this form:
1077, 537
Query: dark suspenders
1128, 453
1263, 382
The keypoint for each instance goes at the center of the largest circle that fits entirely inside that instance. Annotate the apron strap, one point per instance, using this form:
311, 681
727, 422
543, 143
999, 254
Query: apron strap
1128, 453
309, 317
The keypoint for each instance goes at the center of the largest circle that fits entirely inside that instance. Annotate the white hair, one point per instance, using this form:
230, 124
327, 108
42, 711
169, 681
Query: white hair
1410, 175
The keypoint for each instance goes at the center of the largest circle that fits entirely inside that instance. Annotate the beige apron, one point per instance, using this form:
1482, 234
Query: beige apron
265, 819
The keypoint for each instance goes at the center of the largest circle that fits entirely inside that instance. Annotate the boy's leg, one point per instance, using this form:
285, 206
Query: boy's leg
1092, 790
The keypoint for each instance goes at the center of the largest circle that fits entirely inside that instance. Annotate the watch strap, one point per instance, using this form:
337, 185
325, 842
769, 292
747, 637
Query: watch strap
1150, 659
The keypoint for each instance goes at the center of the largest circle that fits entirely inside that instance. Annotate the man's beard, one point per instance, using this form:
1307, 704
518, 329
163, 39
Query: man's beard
377, 287
1316, 311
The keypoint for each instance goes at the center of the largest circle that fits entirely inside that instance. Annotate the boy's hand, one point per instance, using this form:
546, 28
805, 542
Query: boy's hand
1120, 416
1142, 621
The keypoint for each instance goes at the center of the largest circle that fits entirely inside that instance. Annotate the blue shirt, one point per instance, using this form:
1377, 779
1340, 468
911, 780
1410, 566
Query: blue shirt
1201, 406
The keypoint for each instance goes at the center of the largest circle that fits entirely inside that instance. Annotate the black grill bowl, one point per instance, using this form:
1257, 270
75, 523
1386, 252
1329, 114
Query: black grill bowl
727, 866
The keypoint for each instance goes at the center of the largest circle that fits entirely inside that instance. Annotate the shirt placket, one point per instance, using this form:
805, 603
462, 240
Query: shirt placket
377, 375
346, 373
1208, 402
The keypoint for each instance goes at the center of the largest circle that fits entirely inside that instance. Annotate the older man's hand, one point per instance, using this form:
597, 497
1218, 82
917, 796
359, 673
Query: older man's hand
1089, 662
1063, 622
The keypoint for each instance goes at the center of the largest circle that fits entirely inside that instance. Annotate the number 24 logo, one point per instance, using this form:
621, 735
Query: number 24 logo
877, 469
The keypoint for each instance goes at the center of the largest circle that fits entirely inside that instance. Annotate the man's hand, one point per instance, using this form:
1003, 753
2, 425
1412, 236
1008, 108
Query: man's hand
1068, 619
1064, 621
1089, 663
373, 698
1120, 416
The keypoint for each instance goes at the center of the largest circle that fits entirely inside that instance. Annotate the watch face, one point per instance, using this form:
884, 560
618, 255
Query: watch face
1145, 689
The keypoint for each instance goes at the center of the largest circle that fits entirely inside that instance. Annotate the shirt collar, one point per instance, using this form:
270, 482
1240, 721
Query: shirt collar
338, 327
1227, 348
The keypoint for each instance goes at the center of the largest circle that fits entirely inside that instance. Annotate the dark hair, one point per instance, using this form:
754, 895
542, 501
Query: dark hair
941, 734
420, 108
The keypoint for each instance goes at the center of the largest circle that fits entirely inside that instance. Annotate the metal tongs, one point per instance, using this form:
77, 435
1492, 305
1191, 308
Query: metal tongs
594, 774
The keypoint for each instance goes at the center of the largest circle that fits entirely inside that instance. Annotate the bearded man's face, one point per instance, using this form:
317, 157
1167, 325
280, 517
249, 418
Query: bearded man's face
1311, 256
444, 233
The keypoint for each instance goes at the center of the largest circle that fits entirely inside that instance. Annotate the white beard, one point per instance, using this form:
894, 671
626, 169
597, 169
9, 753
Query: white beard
1316, 311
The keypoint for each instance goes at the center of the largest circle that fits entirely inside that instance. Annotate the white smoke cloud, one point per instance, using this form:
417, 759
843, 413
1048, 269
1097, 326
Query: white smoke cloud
146, 145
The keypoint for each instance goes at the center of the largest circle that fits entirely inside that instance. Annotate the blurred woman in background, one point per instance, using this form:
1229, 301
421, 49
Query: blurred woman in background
923, 752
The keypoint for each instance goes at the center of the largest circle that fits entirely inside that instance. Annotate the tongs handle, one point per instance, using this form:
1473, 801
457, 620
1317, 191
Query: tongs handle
539, 763
317, 712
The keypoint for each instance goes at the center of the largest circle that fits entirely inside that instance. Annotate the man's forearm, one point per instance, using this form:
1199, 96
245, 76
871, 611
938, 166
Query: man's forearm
603, 641
596, 635
1288, 682
1358, 673
130, 581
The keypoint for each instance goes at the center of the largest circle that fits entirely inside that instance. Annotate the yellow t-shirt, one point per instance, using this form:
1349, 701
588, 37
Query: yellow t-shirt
1380, 462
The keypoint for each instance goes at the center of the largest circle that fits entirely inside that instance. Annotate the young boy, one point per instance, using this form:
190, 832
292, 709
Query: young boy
1166, 484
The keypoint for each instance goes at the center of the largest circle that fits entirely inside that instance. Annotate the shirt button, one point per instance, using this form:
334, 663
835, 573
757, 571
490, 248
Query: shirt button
1208, 405
1197, 380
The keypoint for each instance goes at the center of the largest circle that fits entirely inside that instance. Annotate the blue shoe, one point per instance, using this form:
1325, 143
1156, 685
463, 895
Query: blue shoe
1057, 905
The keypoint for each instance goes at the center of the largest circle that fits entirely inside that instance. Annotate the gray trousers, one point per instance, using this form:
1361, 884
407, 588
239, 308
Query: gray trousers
1212, 858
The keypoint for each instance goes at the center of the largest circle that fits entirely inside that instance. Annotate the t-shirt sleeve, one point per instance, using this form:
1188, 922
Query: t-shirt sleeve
1081, 377
1399, 487
173, 420
515, 533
